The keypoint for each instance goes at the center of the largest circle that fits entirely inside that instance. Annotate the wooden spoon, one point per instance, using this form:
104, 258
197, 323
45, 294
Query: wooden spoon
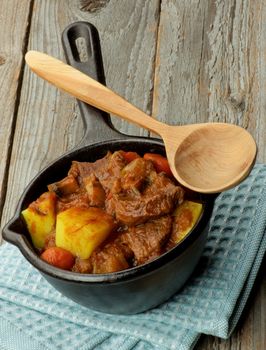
208, 158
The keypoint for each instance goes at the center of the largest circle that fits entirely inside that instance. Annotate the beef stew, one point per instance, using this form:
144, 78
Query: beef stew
121, 211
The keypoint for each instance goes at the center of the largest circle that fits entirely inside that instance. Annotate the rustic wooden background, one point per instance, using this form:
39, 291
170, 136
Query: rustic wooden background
182, 61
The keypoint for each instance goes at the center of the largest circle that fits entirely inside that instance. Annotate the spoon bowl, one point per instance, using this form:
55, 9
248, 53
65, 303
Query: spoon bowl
207, 158
211, 157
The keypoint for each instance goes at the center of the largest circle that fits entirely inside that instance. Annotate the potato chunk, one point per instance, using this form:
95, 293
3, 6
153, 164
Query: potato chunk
186, 216
40, 218
81, 230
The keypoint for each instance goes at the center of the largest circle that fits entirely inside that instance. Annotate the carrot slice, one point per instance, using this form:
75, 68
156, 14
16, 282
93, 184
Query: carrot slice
129, 156
58, 257
160, 163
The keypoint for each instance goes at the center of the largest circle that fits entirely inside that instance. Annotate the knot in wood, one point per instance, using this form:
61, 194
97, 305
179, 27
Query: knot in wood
92, 5
2, 60
237, 102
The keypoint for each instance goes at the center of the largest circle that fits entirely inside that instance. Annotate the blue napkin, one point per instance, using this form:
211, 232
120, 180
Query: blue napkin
35, 316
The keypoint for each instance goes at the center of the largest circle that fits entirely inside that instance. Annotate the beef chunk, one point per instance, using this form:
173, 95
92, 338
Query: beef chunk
84, 169
106, 170
95, 191
93, 180
180, 224
82, 266
146, 241
159, 198
110, 258
135, 173
80, 200
65, 187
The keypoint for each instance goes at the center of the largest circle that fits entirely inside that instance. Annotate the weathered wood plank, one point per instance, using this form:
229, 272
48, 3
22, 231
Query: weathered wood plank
13, 25
210, 66
180, 90
236, 67
129, 44
48, 122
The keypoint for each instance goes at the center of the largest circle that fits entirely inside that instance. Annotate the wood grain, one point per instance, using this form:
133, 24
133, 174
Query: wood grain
180, 89
13, 23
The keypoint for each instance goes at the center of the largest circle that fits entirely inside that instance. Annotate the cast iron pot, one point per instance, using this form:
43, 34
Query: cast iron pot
129, 291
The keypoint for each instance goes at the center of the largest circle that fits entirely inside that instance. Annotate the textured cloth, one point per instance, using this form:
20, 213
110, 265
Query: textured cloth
34, 316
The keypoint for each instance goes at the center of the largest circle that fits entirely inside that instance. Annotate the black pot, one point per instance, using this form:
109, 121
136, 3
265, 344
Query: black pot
128, 291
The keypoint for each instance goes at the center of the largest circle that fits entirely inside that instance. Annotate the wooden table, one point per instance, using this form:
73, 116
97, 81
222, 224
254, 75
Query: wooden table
183, 61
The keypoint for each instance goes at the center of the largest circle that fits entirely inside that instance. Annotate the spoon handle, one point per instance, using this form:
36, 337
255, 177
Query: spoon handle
88, 90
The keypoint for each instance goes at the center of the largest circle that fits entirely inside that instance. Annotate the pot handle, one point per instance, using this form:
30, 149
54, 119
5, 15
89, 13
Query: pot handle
97, 124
